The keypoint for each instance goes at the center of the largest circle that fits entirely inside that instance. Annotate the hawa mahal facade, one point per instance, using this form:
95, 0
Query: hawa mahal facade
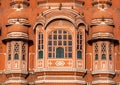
59, 42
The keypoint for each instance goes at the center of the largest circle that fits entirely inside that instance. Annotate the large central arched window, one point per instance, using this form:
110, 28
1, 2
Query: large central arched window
59, 44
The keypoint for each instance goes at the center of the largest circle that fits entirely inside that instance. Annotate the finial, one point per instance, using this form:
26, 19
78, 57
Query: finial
60, 6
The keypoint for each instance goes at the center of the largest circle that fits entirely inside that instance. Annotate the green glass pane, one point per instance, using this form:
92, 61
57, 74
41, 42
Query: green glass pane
60, 52
23, 57
9, 57
40, 54
96, 57
16, 57
110, 57
103, 57
79, 54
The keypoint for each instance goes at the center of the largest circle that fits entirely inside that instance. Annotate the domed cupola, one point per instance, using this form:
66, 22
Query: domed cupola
17, 26
106, 3
102, 17
19, 4
102, 25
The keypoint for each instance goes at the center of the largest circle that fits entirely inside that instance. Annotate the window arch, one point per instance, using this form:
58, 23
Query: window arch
59, 41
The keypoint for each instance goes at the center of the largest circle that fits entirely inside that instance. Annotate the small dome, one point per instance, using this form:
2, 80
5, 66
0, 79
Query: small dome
102, 14
18, 14
17, 28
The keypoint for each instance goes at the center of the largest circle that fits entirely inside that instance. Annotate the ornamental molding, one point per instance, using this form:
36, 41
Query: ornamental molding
60, 81
17, 34
103, 82
103, 72
60, 69
16, 81
70, 15
15, 71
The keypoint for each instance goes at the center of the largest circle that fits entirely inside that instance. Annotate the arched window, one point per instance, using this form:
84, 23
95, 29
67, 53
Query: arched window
59, 52
40, 54
40, 45
79, 54
16, 56
59, 41
79, 44
103, 56
96, 57
9, 57
23, 57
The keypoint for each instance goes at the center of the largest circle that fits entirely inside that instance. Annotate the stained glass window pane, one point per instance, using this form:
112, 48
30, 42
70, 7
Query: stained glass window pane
40, 54
23, 57
79, 54
103, 57
60, 52
96, 57
9, 57
16, 57
110, 57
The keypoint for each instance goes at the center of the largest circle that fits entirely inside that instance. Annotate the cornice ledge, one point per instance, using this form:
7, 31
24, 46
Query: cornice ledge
103, 72
60, 69
60, 81
16, 81
15, 71
103, 82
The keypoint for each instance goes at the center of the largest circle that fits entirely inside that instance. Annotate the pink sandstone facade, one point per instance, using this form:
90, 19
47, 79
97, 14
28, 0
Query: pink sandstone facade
59, 42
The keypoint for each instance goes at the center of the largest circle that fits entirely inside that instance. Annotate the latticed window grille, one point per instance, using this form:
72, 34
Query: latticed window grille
103, 51
16, 51
59, 44
96, 51
23, 51
40, 45
110, 51
79, 44
9, 50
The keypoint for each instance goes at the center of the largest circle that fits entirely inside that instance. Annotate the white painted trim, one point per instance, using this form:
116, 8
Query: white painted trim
103, 82
52, 76
16, 71
60, 69
103, 72
16, 81
60, 81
